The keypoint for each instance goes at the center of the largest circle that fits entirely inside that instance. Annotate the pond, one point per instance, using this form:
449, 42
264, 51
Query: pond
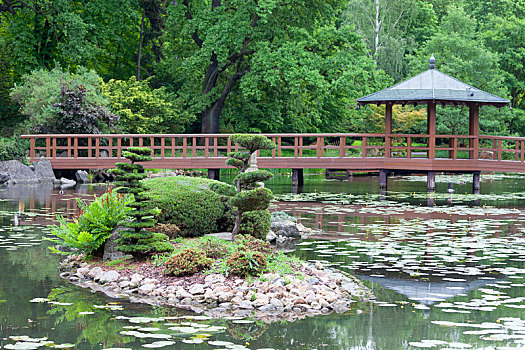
448, 271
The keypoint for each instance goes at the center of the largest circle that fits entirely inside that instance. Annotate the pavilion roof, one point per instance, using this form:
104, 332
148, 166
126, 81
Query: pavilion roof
433, 86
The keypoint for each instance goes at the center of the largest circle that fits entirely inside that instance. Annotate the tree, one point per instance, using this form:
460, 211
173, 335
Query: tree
41, 91
250, 196
460, 52
145, 110
275, 56
391, 29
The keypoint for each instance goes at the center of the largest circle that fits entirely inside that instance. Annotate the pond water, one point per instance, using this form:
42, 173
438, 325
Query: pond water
448, 271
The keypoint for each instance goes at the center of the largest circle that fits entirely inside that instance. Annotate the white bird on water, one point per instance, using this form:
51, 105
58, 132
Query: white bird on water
450, 188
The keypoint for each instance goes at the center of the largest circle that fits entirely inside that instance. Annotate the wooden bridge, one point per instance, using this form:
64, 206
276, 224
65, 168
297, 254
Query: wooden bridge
358, 152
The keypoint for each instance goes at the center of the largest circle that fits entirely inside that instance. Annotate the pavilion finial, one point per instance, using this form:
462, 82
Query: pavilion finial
432, 61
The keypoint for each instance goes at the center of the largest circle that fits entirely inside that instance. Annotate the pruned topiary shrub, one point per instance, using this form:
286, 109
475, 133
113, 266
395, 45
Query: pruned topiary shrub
188, 202
256, 223
246, 263
136, 239
250, 196
187, 262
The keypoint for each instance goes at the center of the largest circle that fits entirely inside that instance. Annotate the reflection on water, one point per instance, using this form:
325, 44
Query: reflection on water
449, 275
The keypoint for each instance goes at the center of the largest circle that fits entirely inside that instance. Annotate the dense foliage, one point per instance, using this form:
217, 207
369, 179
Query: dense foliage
13, 148
94, 224
135, 239
254, 66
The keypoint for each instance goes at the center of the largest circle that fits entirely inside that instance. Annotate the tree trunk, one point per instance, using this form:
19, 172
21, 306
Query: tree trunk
210, 116
237, 226
141, 37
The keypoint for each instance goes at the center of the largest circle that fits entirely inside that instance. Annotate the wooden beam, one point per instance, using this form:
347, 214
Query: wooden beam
474, 130
388, 129
431, 129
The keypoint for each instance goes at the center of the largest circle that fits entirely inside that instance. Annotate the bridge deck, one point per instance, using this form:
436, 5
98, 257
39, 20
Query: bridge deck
461, 153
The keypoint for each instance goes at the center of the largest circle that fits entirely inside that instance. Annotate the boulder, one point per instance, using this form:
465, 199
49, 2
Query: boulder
286, 228
18, 172
44, 171
4, 178
82, 176
110, 249
147, 288
197, 289
110, 276
66, 183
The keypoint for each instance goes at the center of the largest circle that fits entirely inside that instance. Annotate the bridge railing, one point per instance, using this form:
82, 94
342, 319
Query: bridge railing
294, 146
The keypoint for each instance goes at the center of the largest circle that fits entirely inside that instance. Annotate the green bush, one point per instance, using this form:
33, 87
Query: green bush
13, 148
246, 263
256, 223
248, 242
188, 202
187, 262
95, 223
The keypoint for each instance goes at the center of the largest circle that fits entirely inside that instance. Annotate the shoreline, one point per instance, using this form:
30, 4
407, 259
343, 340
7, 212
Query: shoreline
271, 297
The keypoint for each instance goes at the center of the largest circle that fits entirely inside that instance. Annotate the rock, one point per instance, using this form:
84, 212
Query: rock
65, 274
276, 302
95, 271
271, 236
18, 172
44, 171
245, 304
339, 307
147, 288
149, 281
286, 228
82, 176
4, 178
267, 308
83, 271
125, 284
225, 297
182, 294
67, 183
286, 244
136, 278
215, 278
110, 248
197, 289
260, 299
110, 276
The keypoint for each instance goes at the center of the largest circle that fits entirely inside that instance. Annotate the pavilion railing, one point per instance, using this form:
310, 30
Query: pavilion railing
370, 145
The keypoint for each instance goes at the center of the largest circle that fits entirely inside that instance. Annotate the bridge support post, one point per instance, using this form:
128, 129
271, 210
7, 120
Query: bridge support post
297, 177
431, 181
383, 179
476, 186
214, 174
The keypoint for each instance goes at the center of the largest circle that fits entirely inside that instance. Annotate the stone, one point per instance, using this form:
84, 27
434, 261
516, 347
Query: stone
276, 302
82, 176
245, 304
267, 308
197, 288
215, 278
18, 172
110, 276
83, 271
125, 284
149, 281
183, 294
271, 236
136, 278
286, 228
67, 183
4, 178
225, 297
44, 171
65, 274
147, 288
339, 307
110, 247
261, 299
310, 297
95, 271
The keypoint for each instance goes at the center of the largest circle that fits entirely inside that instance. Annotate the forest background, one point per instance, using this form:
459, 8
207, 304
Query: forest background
272, 66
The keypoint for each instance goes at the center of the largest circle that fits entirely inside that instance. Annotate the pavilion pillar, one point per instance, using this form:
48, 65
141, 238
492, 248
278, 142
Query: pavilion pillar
297, 177
214, 174
431, 181
474, 130
383, 179
431, 129
476, 186
388, 128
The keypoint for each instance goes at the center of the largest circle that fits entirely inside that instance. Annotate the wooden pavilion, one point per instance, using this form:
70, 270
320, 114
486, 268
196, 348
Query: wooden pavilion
433, 87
